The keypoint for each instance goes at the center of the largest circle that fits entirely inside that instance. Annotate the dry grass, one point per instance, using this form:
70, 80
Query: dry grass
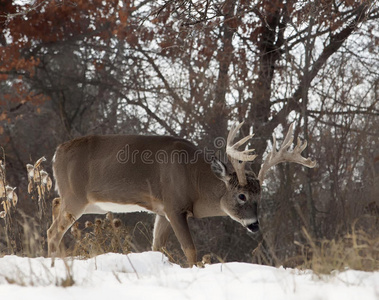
8, 201
102, 236
356, 250
20, 233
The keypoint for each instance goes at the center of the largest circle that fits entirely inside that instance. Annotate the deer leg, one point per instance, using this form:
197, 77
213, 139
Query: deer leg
55, 233
183, 234
162, 230
56, 208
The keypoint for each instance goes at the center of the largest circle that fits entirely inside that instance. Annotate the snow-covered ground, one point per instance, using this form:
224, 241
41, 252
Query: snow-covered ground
150, 275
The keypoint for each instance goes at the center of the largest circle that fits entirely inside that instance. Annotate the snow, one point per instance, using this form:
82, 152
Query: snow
150, 275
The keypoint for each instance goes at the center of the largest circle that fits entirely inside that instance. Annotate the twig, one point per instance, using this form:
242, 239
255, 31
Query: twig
23, 12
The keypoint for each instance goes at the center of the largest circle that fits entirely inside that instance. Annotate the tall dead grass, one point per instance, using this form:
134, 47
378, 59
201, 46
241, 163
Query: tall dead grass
358, 250
101, 236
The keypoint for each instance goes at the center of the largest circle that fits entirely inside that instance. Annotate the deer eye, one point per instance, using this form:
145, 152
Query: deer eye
242, 197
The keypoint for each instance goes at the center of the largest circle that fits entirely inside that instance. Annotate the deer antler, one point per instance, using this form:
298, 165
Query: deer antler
236, 157
285, 155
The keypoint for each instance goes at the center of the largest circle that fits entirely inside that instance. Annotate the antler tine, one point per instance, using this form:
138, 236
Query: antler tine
289, 137
233, 132
243, 141
239, 158
285, 155
232, 149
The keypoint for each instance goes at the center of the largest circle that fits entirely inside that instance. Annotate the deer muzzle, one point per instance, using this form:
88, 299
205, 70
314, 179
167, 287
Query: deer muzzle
253, 227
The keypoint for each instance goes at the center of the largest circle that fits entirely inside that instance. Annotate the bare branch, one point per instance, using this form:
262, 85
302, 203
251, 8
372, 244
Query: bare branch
25, 11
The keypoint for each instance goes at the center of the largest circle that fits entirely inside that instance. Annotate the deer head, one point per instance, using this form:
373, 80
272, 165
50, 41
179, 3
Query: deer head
243, 187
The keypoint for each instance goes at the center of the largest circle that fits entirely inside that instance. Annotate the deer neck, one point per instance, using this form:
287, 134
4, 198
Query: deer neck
210, 191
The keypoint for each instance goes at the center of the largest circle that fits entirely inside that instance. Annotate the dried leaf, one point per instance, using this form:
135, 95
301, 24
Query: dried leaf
11, 195
30, 170
46, 180
3, 116
2, 189
40, 191
30, 187
6, 205
38, 162
44, 176
49, 183
14, 199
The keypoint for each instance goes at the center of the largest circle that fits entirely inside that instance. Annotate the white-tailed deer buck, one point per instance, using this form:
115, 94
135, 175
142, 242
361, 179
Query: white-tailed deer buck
160, 174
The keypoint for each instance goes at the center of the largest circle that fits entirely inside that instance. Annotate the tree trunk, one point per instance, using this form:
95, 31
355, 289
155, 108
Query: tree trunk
219, 120
269, 52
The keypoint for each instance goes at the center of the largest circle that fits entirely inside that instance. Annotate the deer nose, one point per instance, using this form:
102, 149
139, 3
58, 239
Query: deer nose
253, 227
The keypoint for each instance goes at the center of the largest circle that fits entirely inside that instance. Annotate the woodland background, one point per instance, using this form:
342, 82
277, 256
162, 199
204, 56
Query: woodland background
190, 68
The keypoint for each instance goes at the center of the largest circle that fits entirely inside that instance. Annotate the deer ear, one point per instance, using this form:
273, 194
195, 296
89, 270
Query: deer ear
219, 169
